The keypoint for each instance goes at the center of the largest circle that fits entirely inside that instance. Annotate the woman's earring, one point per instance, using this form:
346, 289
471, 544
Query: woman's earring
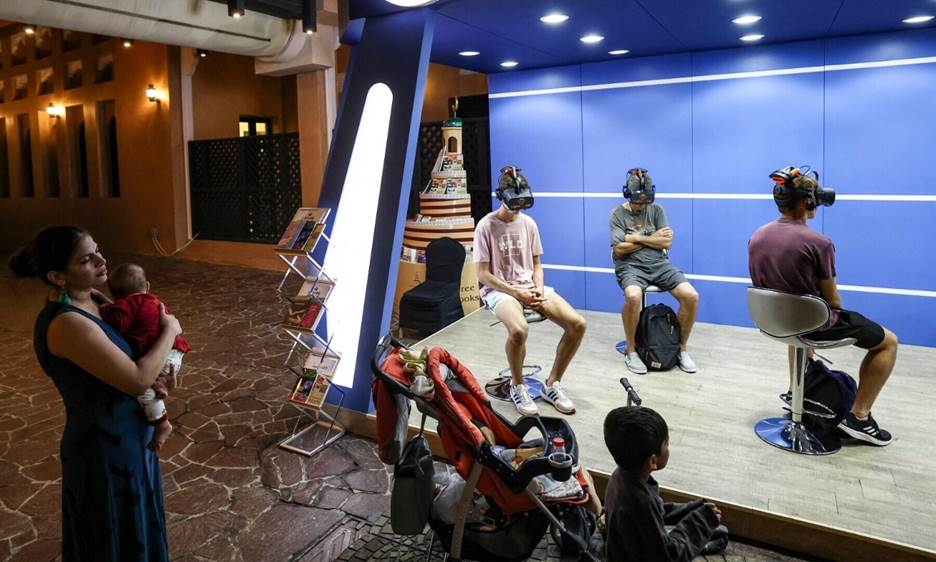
63, 296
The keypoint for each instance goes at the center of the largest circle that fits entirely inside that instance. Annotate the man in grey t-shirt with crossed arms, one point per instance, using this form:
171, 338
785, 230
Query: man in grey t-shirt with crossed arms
640, 237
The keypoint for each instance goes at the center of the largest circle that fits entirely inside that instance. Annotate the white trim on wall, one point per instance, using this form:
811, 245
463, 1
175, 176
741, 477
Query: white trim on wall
747, 281
732, 196
715, 77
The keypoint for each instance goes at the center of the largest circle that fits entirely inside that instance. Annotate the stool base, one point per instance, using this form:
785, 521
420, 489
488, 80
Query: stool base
786, 434
499, 388
621, 347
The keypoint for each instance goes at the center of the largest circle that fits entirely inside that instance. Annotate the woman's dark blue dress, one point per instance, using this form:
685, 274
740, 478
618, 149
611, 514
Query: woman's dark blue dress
112, 499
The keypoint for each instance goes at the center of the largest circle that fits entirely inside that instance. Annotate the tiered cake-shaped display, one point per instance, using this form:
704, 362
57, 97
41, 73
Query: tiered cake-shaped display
444, 210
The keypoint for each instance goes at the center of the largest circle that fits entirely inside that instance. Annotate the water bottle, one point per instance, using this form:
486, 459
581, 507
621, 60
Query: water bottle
558, 457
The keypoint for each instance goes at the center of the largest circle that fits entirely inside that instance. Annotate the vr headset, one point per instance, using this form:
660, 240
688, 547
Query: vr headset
786, 194
639, 187
513, 189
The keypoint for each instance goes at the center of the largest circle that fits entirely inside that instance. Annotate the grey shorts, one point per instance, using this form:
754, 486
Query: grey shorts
665, 276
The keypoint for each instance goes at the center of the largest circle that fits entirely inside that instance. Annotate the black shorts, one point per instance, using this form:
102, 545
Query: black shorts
868, 334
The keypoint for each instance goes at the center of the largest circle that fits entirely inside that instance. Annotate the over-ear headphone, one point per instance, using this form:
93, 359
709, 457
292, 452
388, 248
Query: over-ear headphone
786, 194
639, 187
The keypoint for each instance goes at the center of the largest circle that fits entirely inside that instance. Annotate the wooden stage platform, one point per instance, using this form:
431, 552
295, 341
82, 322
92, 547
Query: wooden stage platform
888, 493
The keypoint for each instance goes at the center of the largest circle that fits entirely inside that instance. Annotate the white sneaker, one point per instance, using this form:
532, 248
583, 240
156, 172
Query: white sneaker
520, 396
554, 395
634, 364
686, 363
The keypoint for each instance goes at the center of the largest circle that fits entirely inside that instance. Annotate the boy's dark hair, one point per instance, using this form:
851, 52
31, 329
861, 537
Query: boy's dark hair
632, 434
802, 186
126, 279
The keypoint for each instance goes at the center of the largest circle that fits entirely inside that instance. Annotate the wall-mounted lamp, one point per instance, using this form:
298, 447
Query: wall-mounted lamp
128, 43
236, 8
152, 94
202, 53
29, 29
309, 23
55, 111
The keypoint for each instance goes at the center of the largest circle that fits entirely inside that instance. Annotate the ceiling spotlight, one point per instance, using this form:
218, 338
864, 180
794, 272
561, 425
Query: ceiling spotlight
619, 52
752, 37
746, 19
918, 19
554, 18
236, 8
509, 63
309, 17
469, 53
128, 43
29, 29
202, 53
411, 3
591, 38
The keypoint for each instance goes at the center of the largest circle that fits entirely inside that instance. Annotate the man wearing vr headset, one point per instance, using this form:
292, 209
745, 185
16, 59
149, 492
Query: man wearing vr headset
640, 237
507, 249
787, 255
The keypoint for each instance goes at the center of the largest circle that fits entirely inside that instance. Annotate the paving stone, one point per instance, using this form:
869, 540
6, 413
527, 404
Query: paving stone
374, 481
285, 530
202, 497
367, 506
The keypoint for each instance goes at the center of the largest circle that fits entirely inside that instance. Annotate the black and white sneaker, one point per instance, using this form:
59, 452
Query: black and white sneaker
865, 430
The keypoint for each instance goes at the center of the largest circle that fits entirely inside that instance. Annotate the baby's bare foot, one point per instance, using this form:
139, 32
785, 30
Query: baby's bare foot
162, 433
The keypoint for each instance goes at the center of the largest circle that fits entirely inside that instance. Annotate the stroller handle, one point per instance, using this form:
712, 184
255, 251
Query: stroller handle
386, 343
632, 396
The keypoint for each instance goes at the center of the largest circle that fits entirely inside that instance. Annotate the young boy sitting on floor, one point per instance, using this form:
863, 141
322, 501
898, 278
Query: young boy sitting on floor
636, 515
135, 314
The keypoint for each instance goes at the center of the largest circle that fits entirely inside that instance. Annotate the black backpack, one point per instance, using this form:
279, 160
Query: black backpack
657, 340
830, 394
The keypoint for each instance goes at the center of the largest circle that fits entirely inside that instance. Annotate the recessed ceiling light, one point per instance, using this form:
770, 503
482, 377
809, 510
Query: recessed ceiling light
746, 19
554, 18
469, 53
619, 52
918, 19
752, 37
410, 3
591, 38
509, 63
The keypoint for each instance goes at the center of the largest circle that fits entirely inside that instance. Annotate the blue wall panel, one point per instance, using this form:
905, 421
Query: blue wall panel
542, 135
911, 318
722, 228
744, 129
646, 127
883, 118
569, 284
884, 244
867, 131
560, 226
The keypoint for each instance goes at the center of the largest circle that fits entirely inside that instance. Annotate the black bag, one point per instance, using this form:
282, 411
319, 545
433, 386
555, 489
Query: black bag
579, 525
413, 488
830, 395
657, 340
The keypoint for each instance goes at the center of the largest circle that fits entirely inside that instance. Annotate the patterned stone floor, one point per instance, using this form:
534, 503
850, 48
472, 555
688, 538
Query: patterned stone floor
231, 493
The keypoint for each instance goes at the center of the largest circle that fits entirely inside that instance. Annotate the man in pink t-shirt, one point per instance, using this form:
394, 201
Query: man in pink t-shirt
507, 249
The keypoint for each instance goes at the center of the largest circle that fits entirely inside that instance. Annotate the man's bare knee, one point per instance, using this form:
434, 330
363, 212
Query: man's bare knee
577, 326
518, 335
633, 296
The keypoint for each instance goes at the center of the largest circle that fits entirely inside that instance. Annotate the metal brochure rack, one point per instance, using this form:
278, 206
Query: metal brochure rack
319, 357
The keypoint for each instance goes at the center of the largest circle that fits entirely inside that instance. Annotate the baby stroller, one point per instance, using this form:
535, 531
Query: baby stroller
484, 449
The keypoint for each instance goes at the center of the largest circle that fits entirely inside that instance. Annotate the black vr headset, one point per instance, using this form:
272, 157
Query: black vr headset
786, 194
513, 189
639, 187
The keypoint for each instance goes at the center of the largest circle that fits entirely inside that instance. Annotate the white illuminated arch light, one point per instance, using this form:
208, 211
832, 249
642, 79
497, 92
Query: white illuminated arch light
410, 3
352, 237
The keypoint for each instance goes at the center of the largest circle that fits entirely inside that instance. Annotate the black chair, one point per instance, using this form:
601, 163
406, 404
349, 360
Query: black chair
435, 303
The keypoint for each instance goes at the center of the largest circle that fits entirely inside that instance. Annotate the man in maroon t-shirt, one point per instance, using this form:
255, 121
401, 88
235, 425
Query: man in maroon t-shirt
787, 255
